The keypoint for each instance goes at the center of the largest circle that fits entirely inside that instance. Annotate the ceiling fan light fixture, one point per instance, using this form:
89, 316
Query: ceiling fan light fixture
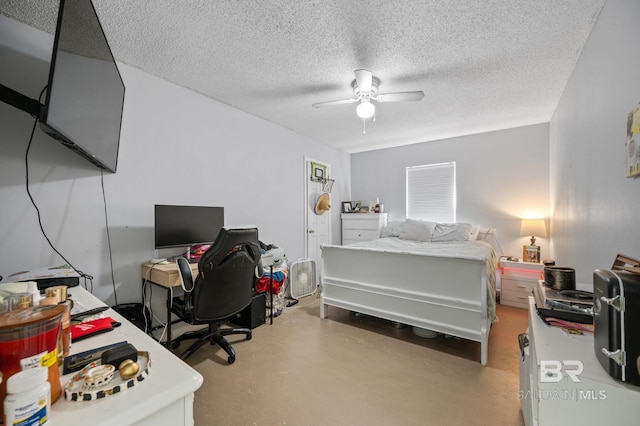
366, 109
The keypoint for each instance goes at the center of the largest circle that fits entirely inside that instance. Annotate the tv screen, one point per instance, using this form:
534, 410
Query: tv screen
182, 226
85, 94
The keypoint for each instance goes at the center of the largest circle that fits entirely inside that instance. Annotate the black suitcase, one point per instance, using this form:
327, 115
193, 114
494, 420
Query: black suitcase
616, 319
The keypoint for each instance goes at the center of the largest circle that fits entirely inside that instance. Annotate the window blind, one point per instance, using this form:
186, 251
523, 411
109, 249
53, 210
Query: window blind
431, 192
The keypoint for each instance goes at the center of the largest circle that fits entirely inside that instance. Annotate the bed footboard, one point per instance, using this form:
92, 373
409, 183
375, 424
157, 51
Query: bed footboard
444, 294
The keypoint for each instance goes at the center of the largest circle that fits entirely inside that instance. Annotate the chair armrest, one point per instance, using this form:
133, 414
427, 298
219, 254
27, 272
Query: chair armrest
186, 277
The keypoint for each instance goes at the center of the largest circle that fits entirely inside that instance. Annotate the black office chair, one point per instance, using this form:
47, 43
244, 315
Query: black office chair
223, 287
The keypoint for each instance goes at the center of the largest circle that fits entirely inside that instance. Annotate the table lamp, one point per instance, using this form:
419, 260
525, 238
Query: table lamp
532, 227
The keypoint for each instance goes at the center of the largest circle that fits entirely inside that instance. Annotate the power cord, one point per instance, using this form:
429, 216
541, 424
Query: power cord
26, 161
106, 221
166, 324
145, 284
149, 327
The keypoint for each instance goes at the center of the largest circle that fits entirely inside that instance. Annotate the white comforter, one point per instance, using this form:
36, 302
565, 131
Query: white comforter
477, 250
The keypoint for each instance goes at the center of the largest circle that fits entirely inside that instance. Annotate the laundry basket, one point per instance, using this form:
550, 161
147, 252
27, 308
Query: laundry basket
302, 279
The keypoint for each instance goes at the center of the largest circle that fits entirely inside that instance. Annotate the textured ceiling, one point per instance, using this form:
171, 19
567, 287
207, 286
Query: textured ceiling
483, 65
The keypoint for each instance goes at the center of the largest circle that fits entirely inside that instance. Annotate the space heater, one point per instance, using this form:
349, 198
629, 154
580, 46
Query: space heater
302, 279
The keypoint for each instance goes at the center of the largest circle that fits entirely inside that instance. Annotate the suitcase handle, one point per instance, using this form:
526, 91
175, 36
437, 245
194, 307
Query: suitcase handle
617, 356
616, 302
523, 342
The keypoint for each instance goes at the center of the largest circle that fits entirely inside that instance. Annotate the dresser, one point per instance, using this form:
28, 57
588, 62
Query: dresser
517, 280
358, 227
165, 397
562, 382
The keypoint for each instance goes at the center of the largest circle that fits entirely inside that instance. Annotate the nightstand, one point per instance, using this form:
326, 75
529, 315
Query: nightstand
358, 227
517, 282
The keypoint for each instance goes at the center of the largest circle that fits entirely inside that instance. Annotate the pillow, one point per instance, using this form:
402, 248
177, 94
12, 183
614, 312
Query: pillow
392, 229
417, 230
475, 231
451, 232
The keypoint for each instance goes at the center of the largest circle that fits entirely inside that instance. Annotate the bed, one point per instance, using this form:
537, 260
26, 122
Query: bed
430, 281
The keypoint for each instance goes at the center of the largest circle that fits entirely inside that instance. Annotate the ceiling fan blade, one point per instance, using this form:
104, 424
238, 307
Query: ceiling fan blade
363, 79
331, 103
400, 96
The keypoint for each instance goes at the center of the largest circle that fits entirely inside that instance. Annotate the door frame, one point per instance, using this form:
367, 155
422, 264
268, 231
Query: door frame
306, 165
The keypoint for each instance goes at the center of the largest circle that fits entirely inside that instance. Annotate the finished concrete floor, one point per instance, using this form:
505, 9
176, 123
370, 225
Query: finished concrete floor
353, 369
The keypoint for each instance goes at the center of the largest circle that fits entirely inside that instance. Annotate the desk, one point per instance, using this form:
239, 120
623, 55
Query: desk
167, 277
164, 397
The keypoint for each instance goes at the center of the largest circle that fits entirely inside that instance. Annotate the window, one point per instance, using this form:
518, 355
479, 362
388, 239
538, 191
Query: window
431, 192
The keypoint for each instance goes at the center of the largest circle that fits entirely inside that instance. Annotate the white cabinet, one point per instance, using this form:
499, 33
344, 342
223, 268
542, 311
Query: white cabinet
517, 281
562, 382
358, 227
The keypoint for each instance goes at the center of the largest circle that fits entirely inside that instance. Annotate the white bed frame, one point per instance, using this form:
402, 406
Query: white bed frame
444, 294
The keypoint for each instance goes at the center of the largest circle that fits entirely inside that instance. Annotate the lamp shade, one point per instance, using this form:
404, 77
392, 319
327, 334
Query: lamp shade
533, 227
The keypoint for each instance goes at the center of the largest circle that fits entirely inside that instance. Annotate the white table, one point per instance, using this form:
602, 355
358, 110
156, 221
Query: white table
165, 397
547, 399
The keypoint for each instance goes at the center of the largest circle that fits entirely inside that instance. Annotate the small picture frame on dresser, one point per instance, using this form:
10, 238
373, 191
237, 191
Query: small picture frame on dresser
531, 254
346, 207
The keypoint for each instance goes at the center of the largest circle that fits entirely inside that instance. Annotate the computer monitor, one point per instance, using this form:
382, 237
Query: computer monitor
186, 226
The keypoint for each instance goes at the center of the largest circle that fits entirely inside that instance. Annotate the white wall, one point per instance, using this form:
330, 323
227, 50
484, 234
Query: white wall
177, 147
596, 209
502, 177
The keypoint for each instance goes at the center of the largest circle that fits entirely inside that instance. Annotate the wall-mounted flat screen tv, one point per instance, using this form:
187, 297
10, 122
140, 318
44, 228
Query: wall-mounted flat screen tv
85, 93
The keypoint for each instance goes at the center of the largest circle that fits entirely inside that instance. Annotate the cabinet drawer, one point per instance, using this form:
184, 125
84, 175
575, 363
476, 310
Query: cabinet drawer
522, 274
517, 286
515, 297
515, 292
518, 301
371, 224
360, 234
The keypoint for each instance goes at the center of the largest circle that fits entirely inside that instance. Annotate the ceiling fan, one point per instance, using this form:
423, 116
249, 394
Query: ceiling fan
365, 89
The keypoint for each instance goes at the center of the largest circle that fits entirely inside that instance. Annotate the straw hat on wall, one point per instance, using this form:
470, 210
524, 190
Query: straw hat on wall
323, 204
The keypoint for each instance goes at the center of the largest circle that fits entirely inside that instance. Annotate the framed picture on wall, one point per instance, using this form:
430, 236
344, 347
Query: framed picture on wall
318, 172
632, 144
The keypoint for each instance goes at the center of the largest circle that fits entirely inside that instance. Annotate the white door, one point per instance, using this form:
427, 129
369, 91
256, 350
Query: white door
318, 227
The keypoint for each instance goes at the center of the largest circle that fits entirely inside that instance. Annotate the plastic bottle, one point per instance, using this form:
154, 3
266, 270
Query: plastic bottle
32, 287
28, 399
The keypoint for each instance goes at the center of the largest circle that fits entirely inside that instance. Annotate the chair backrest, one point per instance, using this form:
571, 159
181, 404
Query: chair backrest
226, 275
